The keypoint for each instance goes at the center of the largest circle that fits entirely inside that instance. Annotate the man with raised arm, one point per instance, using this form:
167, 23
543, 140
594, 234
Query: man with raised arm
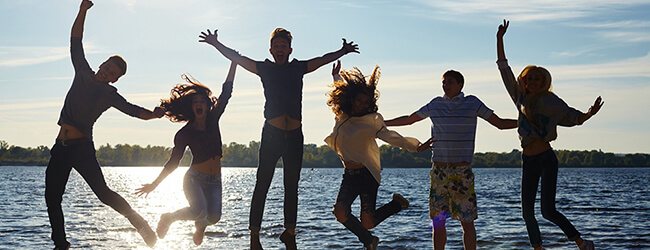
282, 132
89, 96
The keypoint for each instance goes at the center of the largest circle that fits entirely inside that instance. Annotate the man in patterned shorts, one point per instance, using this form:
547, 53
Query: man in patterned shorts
452, 182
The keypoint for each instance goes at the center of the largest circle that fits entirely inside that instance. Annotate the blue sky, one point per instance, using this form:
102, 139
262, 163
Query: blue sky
590, 47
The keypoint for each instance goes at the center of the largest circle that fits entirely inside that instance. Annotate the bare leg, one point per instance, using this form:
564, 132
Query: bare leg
469, 235
439, 233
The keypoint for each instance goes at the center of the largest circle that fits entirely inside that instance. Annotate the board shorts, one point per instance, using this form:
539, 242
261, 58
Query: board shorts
452, 193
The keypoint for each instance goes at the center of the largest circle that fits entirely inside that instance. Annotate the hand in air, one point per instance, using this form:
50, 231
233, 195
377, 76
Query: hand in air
596, 107
145, 190
208, 38
158, 112
86, 4
350, 47
336, 67
503, 28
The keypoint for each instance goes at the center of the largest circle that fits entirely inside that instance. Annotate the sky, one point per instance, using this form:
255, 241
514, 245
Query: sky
591, 47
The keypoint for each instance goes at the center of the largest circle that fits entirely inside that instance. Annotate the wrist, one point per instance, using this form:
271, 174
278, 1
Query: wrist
345, 50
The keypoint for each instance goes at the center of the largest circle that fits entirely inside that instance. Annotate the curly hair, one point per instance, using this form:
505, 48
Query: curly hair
178, 108
353, 83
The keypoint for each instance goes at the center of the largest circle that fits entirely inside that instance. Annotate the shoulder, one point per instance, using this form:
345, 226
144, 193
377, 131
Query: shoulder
472, 98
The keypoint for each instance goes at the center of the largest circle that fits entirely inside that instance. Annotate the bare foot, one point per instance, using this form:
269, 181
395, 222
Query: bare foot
198, 234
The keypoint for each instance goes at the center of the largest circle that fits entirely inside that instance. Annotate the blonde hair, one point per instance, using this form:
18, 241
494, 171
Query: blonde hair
532, 105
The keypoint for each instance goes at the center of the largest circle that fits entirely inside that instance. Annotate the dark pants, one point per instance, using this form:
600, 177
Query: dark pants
278, 143
82, 158
544, 166
360, 182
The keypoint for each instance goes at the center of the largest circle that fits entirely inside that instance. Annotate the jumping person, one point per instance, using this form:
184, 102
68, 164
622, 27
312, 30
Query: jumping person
193, 103
453, 118
89, 96
282, 131
540, 112
354, 102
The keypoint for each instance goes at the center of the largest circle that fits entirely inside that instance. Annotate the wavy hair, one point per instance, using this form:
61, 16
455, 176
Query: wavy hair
353, 83
178, 108
531, 103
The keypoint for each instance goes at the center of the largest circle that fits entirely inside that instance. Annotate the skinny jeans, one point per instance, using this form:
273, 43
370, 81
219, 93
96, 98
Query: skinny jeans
81, 157
361, 183
276, 143
542, 166
203, 192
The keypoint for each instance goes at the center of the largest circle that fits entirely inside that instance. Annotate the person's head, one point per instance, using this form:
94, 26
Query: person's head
188, 101
452, 83
111, 69
353, 95
281, 45
535, 80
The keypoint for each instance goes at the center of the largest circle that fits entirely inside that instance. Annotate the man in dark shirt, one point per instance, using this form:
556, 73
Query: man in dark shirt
282, 132
89, 96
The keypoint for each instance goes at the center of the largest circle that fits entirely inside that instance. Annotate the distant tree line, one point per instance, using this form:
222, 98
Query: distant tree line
241, 155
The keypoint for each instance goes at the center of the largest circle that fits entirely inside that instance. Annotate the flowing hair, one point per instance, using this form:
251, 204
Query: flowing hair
178, 108
353, 83
532, 105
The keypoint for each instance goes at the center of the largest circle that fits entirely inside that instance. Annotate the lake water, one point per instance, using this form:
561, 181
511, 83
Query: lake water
608, 205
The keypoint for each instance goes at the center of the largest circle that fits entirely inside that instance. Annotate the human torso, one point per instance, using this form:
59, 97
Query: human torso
283, 92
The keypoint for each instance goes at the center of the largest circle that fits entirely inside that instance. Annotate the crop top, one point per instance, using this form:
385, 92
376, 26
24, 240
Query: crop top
87, 99
203, 144
282, 88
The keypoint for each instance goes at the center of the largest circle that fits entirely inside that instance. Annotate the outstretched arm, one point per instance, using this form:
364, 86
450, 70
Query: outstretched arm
231, 72
210, 38
426, 145
148, 188
78, 25
501, 53
501, 123
146, 114
404, 120
315, 63
592, 110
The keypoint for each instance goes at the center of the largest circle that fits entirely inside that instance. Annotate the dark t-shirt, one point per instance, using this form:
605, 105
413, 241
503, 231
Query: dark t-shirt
203, 144
87, 99
282, 88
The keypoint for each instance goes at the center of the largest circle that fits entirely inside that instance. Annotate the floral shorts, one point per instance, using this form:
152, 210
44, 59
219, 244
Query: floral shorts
452, 193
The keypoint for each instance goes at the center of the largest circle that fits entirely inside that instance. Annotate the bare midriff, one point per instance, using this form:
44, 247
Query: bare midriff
212, 166
352, 165
67, 132
284, 122
536, 147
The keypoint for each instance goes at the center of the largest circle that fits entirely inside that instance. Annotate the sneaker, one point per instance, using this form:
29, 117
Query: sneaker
255, 241
375, 242
143, 229
163, 225
65, 247
198, 234
402, 201
587, 245
289, 240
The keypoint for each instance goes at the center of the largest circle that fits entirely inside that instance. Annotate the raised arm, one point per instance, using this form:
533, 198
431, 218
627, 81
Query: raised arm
231, 54
592, 110
315, 63
501, 123
146, 114
226, 91
404, 120
78, 25
501, 53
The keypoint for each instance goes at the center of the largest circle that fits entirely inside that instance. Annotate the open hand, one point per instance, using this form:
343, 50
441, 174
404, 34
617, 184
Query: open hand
145, 190
350, 47
503, 28
596, 107
209, 37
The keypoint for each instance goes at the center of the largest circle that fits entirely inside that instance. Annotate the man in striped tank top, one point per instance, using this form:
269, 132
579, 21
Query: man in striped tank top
452, 181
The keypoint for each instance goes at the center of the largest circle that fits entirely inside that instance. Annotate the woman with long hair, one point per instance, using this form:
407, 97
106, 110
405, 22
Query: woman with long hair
540, 112
357, 124
194, 104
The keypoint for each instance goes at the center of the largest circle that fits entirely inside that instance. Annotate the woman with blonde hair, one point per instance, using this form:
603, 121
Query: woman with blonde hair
540, 112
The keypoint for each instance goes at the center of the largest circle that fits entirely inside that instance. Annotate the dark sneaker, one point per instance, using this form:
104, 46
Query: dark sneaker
255, 241
374, 244
64, 247
289, 240
402, 201
163, 225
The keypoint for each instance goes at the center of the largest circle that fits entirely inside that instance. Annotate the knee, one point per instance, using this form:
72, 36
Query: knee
199, 214
340, 212
214, 218
549, 213
367, 221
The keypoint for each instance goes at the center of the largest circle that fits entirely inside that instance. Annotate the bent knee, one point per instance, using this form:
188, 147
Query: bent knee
214, 218
367, 221
340, 212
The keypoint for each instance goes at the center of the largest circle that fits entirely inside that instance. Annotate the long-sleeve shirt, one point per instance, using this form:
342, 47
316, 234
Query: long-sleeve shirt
353, 139
87, 99
552, 111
